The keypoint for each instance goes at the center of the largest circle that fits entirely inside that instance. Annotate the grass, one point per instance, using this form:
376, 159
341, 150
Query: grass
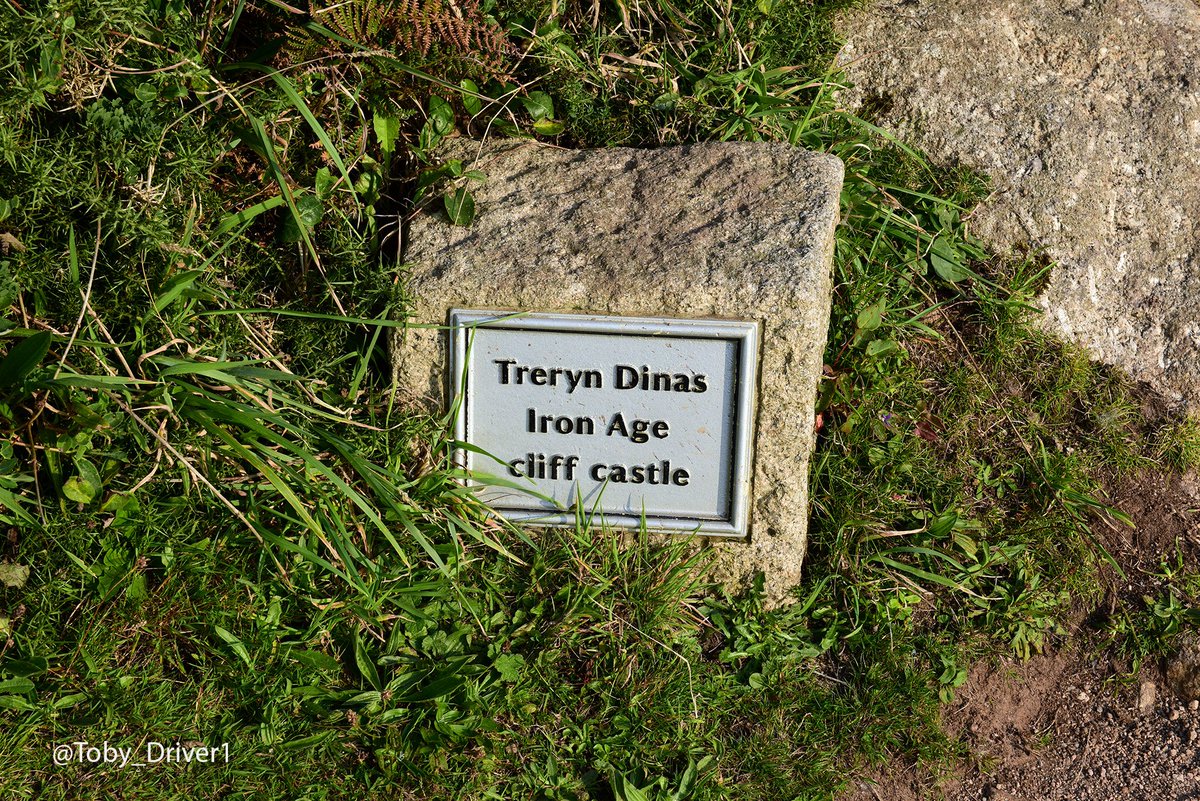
222, 527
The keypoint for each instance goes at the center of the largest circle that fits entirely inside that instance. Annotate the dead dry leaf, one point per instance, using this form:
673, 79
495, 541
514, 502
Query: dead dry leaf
9, 242
13, 575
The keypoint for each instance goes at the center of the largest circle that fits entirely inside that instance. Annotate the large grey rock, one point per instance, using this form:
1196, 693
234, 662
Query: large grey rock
1086, 113
738, 231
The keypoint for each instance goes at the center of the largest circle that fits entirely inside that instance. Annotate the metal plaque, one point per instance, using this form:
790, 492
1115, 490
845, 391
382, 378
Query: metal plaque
629, 418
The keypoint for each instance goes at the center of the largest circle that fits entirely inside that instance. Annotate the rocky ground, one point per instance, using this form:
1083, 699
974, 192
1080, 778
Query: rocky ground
1057, 729
1074, 724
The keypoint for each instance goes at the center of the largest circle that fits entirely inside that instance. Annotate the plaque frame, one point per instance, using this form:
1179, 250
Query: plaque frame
744, 335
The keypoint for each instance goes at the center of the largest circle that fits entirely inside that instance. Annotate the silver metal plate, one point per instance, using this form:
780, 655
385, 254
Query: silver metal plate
629, 418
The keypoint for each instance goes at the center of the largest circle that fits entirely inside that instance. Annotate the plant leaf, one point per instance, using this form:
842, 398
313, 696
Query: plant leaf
18, 686
365, 665
23, 358
470, 96
443, 685
539, 105
631, 792
441, 114
85, 484
8, 285
881, 347
548, 127
323, 184
666, 101
871, 317
317, 660
946, 261
460, 206
237, 645
310, 211
387, 130
510, 667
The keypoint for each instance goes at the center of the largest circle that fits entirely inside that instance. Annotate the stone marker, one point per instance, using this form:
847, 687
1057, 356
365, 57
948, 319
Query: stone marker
1087, 117
715, 250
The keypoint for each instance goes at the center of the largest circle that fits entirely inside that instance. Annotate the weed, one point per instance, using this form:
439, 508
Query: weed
1179, 444
1149, 629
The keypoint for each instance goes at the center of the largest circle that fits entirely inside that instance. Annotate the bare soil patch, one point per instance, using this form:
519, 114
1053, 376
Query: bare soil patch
1072, 723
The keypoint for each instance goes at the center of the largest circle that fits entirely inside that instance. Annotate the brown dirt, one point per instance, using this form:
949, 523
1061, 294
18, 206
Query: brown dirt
1062, 726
